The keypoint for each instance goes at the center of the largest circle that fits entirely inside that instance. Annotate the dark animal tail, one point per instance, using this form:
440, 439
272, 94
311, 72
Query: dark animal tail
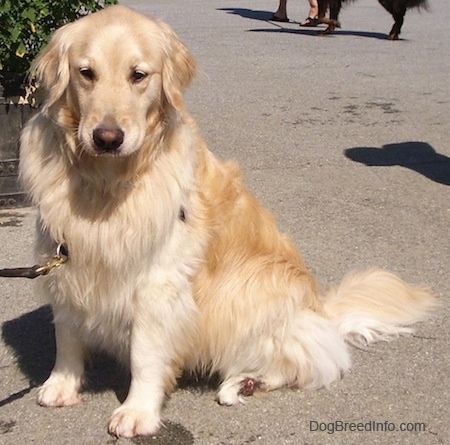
409, 4
423, 4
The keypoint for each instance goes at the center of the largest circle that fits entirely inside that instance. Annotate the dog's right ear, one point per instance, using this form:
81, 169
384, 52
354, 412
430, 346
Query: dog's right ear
51, 68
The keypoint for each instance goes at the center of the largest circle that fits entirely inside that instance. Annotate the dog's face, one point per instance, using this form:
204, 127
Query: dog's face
113, 77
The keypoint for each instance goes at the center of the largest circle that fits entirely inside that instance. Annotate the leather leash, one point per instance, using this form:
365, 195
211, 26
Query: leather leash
60, 257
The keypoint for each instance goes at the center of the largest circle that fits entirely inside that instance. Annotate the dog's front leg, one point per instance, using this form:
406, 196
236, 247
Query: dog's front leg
63, 386
160, 328
140, 414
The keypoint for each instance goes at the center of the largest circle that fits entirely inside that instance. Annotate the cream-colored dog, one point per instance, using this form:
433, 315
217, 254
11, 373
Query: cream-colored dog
172, 264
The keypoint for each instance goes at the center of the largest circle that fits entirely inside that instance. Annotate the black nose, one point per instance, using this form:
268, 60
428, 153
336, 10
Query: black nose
108, 138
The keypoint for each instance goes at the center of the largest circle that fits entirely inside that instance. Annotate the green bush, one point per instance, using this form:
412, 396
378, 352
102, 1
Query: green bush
26, 26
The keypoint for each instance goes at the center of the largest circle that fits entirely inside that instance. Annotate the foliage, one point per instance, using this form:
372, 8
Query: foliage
26, 26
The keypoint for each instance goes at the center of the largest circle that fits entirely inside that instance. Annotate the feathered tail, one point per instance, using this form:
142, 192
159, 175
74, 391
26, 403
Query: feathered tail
416, 4
377, 305
389, 5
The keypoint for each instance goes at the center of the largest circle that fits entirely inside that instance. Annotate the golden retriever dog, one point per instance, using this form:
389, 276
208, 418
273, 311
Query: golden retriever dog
172, 264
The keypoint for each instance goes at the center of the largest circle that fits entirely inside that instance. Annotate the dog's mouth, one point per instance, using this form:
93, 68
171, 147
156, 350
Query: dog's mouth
106, 153
96, 152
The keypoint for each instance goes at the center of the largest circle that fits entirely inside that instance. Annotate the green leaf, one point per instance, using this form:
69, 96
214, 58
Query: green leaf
15, 33
29, 14
5, 7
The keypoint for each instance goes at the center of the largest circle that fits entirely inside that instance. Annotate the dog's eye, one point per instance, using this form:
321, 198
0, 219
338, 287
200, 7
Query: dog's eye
138, 75
87, 73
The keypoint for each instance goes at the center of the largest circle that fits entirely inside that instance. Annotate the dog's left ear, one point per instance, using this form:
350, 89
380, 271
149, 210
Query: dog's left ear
178, 69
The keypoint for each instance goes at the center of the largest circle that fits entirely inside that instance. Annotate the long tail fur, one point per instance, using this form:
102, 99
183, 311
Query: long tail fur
409, 4
377, 305
416, 4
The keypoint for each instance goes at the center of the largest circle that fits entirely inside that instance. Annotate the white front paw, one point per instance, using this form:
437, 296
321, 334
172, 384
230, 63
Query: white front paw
130, 422
59, 391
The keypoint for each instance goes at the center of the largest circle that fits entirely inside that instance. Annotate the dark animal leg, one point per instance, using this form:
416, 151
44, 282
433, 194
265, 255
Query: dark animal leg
323, 8
396, 28
398, 12
335, 9
332, 22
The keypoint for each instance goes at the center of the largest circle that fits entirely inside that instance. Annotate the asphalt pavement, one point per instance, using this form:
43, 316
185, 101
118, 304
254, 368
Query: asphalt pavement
345, 138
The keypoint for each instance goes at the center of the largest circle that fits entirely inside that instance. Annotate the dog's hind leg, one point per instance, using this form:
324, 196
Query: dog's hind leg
323, 8
306, 353
335, 9
398, 11
333, 21
396, 28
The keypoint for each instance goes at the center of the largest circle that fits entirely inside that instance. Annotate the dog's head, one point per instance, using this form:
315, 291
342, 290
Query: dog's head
112, 78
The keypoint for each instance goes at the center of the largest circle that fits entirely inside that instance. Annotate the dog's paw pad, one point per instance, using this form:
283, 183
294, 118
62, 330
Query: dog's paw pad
129, 422
249, 386
232, 390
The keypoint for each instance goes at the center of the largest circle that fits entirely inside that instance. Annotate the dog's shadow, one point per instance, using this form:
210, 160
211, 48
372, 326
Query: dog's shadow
316, 32
248, 13
31, 337
417, 156
265, 16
